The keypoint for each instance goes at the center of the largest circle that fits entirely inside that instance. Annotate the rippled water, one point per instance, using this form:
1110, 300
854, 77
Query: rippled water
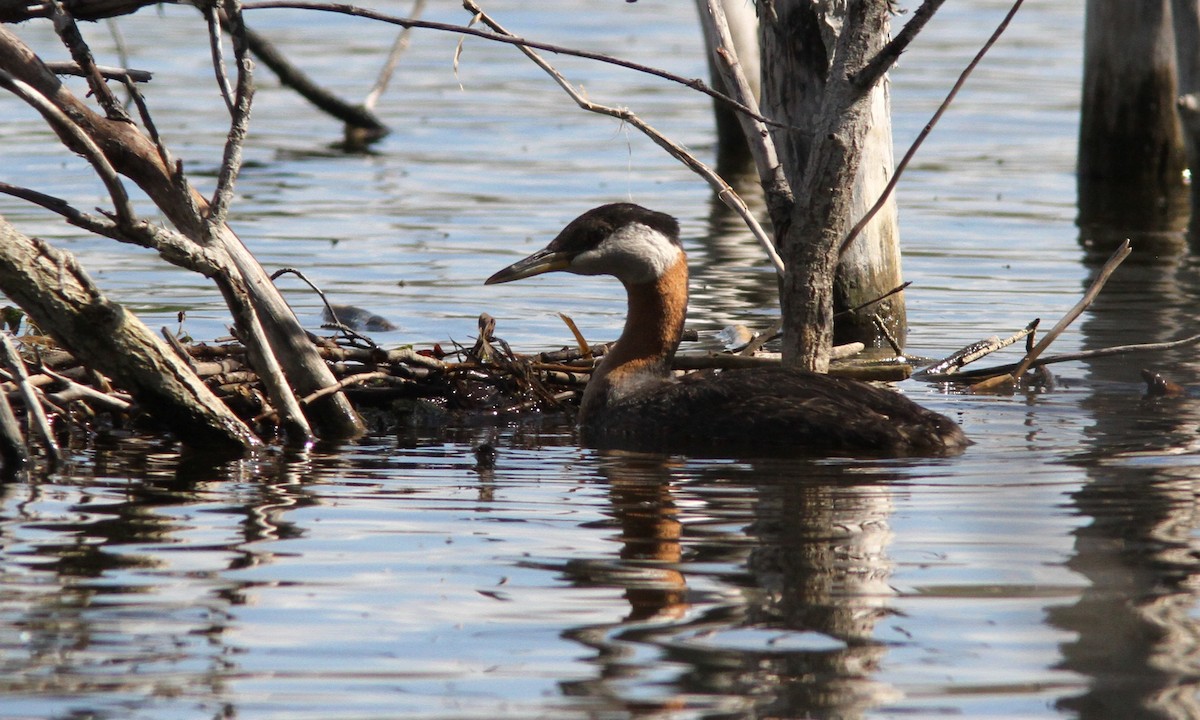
1050, 571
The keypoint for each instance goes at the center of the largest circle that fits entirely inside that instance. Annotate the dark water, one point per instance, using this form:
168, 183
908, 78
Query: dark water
1050, 571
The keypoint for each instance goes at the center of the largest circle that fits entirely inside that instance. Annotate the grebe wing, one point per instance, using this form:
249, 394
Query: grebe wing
772, 411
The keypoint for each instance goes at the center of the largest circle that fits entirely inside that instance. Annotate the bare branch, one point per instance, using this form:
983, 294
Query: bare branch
30, 395
758, 137
92, 152
912, 150
389, 67
355, 11
218, 55
887, 56
723, 189
107, 72
231, 163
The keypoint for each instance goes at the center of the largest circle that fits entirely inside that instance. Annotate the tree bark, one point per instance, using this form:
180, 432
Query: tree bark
51, 288
134, 155
809, 55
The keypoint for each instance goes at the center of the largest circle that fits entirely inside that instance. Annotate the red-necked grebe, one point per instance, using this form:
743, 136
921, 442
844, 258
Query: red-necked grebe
634, 402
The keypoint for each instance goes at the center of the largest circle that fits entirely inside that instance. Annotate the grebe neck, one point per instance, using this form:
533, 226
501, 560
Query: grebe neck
642, 355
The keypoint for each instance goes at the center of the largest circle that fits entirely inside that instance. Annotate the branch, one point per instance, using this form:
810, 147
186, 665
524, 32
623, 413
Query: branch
355, 11
762, 146
389, 67
69, 33
108, 73
64, 125
723, 189
912, 150
887, 56
231, 162
218, 56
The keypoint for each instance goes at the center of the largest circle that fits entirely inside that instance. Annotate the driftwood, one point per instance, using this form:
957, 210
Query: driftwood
65, 304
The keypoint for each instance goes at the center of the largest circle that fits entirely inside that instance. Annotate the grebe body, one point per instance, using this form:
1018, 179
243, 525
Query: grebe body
634, 402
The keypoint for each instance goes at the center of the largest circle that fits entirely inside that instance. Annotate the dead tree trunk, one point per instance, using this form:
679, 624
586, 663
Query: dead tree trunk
60, 298
1131, 146
801, 79
809, 83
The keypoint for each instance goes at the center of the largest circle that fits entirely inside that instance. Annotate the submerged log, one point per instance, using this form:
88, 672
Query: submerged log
61, 299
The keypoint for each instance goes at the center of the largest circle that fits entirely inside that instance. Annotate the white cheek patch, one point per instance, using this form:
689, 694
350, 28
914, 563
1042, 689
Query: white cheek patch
633, 254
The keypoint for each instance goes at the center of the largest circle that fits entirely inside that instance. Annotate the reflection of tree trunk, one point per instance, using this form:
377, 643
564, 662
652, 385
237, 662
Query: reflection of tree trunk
798, 44
1137, 632
1131, 146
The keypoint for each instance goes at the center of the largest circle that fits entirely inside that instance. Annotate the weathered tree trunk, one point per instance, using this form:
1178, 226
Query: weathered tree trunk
807, 83
1131, 146
59, 297
134, 155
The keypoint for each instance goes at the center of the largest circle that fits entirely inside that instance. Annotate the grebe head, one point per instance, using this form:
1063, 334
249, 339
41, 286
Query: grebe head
627, 241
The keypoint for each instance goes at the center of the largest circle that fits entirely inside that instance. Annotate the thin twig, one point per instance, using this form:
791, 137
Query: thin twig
218, 55
912, 150
80, 139
31, 396
1004, 370
1110, 266
355, 11
389, 67
231, 162
343, 384
337, 323
106, 71
724, 191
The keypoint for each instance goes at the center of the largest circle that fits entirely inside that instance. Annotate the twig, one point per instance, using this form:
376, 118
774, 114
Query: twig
106, 71
337, 324
355, 11
1106, 271
912, 149
30, 395
231, 162
848, 311
12, 443
218, 56
724, 191
389, 67
758, 138
343, 384
80, 139
887, 56
584, 349
1003, 370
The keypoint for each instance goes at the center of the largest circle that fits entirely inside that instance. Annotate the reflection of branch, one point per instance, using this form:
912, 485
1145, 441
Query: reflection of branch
355, 11
724, 191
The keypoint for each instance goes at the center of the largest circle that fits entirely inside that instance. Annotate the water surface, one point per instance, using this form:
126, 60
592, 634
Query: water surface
1050, 571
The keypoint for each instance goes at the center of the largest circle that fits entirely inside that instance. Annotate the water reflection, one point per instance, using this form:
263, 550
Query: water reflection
801, 549
1138, 636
